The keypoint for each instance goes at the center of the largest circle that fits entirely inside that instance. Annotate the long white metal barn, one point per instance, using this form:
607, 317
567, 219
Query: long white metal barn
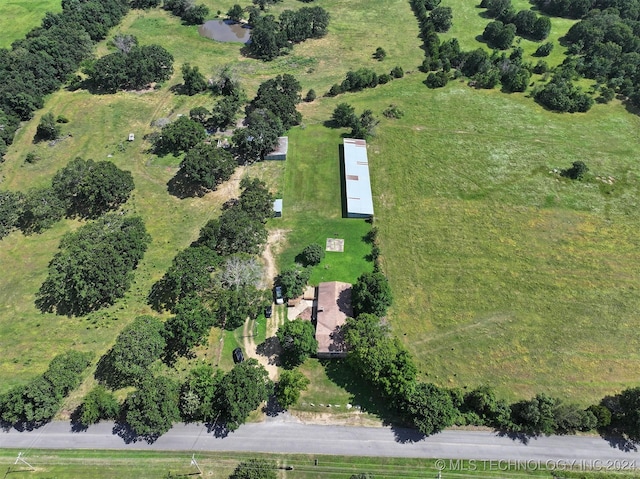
356, 178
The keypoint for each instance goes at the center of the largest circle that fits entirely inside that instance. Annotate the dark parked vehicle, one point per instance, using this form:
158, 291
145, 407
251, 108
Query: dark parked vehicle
268, 311
238, 356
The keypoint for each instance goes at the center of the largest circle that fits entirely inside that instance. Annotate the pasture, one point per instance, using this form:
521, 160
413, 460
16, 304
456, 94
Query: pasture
18, 17
503, 273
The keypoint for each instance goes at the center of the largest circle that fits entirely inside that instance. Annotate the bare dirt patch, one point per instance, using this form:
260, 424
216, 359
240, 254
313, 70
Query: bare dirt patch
335, 244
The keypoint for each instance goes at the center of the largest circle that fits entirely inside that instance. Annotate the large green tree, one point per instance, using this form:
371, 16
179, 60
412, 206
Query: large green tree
90, 189
10, 211
194, 81
236, 231
256, 199
98, 404
429, 407
629, 415
280, 95
293, 280
41, 209
135, 69
47, 129
40, 399
187, 329
260, 137
379, 357
536, 415
190, 272
94, 266
152, 409
236, 305
198, 393
137, 347
207, 165
298, 341
241, 391
371, 294
180, 136
289, 386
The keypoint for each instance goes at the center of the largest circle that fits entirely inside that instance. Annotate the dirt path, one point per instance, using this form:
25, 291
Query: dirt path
267, 356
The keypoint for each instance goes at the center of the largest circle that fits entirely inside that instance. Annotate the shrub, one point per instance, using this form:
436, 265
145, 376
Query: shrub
47, 128
312, 254
397, 72
544, 50
393, 112
379, 54
437, 80
576, 172
311, 95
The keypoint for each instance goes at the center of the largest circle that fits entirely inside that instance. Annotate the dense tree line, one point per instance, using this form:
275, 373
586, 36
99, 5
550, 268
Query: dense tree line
363, 78
362, 126
488, 70
40, 399
94, 266
131, 68
378, 357
38, 64
187, 10
271, 38
137, 346
215, 280
605, 46
84, 189
269, 115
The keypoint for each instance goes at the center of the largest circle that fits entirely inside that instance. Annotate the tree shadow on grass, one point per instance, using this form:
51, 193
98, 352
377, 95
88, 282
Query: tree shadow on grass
182, 187
363, 395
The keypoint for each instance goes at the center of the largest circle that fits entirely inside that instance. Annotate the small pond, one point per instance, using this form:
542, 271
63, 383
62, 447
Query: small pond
225, 31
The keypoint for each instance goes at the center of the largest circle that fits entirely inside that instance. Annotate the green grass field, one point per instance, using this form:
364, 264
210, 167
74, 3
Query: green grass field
17, 17
502, 272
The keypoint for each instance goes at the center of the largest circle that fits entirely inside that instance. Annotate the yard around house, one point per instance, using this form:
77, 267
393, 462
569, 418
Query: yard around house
503, 273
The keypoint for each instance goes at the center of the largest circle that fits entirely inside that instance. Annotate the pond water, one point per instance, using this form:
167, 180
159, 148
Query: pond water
225, 31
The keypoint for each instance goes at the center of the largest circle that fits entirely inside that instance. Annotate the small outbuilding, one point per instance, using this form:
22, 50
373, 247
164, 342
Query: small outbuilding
332, 310
277, 208
280, 153
356, 178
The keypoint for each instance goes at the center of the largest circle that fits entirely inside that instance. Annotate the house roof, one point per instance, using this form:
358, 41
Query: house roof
334, 307
356, 174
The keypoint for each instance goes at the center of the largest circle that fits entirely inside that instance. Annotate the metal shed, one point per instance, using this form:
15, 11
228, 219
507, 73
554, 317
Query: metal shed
280, 153
356, 177
277, 208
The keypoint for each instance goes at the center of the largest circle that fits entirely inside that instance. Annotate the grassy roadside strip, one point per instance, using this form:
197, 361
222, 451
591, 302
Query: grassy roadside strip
154, 464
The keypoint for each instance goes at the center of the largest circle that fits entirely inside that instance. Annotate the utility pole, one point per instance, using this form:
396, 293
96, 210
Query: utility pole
195, 463
21, 459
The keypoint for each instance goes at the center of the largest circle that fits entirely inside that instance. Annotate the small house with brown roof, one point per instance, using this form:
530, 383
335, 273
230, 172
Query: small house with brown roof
332, 310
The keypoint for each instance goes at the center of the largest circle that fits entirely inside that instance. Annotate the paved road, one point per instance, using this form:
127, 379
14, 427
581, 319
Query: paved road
288, 436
